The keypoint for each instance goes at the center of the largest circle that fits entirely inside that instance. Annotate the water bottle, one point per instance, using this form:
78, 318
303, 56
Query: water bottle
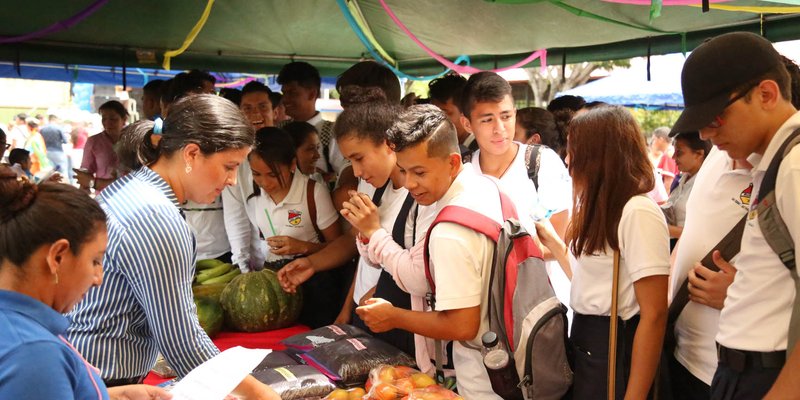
500, 367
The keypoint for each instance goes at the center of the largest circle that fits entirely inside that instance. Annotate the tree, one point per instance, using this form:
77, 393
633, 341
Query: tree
545, 85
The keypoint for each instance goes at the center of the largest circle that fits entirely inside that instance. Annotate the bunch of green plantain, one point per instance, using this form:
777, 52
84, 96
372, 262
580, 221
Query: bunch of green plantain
214, 271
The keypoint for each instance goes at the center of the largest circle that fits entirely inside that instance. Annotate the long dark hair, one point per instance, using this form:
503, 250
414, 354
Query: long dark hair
34, 215
211, 122
368, 116
276, 148
609, 165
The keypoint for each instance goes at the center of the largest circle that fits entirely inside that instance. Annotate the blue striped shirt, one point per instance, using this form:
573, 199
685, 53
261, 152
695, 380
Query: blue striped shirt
144, 305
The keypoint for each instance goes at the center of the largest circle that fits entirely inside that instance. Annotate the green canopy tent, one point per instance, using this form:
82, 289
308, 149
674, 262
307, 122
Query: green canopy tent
260, 36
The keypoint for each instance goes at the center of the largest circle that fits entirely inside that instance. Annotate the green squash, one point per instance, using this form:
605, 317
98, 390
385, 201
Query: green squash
255, 302
210, 315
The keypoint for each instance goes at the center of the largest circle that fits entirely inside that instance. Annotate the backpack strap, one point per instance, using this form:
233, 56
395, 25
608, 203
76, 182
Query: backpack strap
533, 160
312, 209
777, 235
612, 330
325, 136
728, 247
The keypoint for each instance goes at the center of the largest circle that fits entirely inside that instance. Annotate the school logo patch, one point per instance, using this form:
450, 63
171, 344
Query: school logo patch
745, 195
295, 217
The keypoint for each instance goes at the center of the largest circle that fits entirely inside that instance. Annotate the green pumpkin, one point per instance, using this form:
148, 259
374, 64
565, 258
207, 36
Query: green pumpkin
210, 315
255, 302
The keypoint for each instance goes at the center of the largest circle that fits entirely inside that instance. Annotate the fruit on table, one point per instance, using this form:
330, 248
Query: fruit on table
210, 315
356, 394
338, 394
212, 290
255, 302
207, 264
227, 277
384, 391
216, 271
421, 380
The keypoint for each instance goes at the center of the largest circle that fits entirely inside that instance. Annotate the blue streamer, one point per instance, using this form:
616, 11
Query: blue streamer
144, 76
371, 49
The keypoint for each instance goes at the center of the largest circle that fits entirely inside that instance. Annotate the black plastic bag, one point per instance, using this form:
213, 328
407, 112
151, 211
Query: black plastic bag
321, 336
276, 359
296, 382
350, 360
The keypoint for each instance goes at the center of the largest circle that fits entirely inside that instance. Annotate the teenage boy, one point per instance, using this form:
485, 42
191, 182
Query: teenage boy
445, 93
300, 84
737, 94
460, 258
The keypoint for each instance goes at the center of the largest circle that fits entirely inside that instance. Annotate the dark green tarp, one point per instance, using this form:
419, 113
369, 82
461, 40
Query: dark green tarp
261, 35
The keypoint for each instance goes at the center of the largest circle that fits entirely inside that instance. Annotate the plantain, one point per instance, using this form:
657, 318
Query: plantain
207, 264
223, 278
206, 274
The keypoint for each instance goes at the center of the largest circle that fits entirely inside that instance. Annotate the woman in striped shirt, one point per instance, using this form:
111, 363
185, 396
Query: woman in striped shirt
146, 307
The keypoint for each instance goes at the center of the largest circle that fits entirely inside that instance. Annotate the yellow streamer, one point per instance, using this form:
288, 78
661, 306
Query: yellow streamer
189, 38
362, 23
753, 9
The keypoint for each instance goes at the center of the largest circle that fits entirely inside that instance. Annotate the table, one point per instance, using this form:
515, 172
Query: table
259, 340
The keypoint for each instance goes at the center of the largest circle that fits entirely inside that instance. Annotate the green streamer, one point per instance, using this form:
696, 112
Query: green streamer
586, 14
655, 9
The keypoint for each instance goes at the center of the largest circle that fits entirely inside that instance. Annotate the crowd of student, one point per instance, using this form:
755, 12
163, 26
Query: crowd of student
344, 209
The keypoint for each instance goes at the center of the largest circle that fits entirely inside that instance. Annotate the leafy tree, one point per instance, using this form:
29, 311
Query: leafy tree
545, 85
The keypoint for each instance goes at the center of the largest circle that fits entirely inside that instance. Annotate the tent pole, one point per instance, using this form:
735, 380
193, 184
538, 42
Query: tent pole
124, 70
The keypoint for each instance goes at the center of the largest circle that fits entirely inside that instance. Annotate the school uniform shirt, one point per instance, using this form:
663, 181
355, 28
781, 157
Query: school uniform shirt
659, 192
145, 305
644, 251
461, 260
35, 361
208, 224
516, 184
759, 302
247, 249
720, 198
290, 217
392, 200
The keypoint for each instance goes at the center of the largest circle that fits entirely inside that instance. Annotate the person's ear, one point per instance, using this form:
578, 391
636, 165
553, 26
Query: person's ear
56, 254
455, 164
769, 93
190, 153
465, 122
534, 139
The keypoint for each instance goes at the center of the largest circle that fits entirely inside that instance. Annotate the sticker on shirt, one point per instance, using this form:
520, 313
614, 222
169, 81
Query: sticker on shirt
295, 217
744, 197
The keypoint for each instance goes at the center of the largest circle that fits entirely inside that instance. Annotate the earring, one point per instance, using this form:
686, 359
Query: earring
188, 168
56, 278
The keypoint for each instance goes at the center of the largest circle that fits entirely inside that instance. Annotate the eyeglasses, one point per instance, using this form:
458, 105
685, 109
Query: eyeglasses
718, 122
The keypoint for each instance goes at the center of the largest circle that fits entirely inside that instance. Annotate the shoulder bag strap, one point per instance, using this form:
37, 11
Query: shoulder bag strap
612, 330
312, 209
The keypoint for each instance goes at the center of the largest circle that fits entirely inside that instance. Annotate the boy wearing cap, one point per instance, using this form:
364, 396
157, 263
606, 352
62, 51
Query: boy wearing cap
737, 94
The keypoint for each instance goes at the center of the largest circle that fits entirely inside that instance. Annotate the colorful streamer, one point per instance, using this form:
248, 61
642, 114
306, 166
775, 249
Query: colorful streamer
189, 38
663, 2
755, 9
236, 83
355, 11
461, 69
58, 26
371, 49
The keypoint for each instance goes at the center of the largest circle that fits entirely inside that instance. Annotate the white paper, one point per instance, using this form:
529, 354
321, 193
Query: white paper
217, 377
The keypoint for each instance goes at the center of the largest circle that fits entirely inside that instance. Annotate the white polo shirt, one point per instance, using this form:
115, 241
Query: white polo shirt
208, 224
290, 216
246, 247
391, 202
759, 302
461, 260
720, 198
644, 251
555, 186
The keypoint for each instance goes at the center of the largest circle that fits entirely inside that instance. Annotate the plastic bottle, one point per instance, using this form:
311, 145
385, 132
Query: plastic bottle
500, 367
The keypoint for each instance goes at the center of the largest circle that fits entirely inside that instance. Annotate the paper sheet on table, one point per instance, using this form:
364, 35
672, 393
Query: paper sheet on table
217, 377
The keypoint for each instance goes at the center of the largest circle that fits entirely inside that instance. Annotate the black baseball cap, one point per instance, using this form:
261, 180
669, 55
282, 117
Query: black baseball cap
715, 69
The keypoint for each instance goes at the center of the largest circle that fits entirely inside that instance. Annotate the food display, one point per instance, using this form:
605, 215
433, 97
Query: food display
255, 302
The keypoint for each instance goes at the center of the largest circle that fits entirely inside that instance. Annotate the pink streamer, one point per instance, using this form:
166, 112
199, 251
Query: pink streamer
58, 26
664, 2
461, 69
